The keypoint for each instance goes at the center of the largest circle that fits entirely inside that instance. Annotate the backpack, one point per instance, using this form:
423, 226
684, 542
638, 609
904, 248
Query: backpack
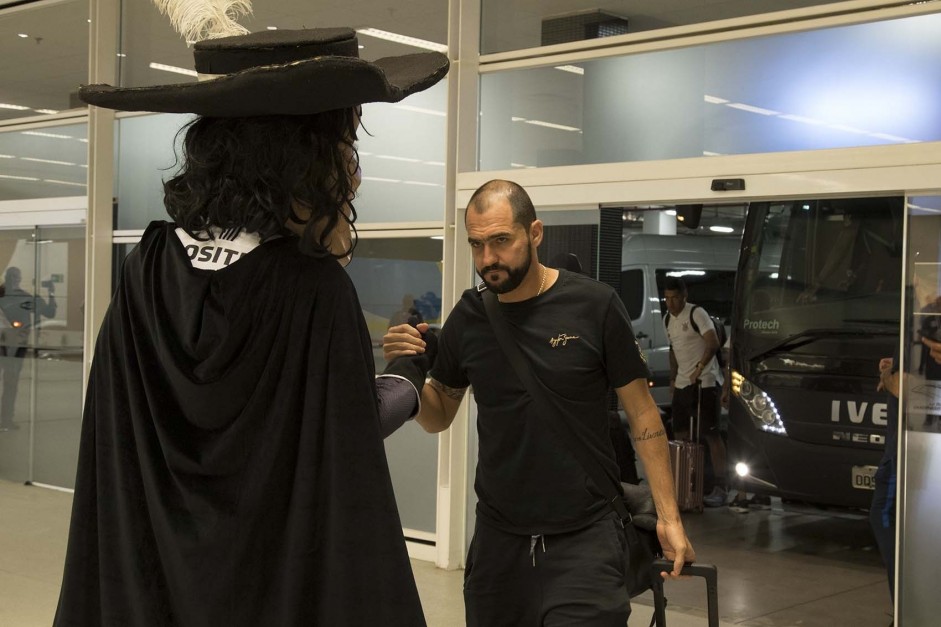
716, 322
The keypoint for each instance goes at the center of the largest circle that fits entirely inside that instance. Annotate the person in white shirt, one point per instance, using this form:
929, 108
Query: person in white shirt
695, 379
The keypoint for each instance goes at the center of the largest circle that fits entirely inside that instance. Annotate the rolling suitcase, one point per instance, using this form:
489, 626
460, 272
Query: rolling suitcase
707, 571
686, 459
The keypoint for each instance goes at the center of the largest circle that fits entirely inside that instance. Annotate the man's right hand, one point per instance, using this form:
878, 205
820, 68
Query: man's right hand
402, 340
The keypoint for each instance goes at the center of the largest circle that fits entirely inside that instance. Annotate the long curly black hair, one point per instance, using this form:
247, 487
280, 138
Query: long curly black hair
251, 172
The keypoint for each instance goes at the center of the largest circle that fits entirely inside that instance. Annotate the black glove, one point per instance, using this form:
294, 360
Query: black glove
415, 368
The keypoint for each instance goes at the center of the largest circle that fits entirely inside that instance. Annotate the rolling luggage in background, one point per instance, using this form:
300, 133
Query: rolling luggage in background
686, 460
707, 571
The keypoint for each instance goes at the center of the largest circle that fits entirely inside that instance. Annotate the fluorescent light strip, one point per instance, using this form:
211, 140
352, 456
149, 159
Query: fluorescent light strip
53, 162
173, 68
714, 99
800, 118
51, 135
560, 127
439, 164
894, 138
47, 111
521, 165
848, 129
420, 110
394, 158
402, 39
709, 153
745, 107
13, 106
573, 69
721, 229
57, 182
18, 178
7, 157
422, 183
380, 179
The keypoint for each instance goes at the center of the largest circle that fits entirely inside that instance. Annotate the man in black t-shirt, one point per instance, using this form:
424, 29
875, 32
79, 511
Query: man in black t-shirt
547, 548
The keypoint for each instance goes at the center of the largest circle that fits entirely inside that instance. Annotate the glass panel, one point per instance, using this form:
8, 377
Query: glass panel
402, 161
861, 85
17, 372
145, 158
921, 436
395, 277
42, 307
59, 315
44, 162
517, 24
43, 58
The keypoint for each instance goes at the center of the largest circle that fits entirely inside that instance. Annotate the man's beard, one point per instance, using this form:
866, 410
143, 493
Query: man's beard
514, 276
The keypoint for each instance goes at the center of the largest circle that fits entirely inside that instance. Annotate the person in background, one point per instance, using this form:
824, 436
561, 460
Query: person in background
21, 310
882, 509
542, 548
231, 469
695, 379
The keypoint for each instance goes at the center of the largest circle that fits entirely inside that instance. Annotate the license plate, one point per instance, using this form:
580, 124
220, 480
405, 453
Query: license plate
864, 477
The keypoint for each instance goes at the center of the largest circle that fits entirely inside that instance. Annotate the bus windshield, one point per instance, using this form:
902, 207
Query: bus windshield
819, 270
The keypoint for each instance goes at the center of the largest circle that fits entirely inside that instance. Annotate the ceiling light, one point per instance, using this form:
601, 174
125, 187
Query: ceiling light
714, 99
520, 165
13, 106
65, 182
671, 212
394, 158
422, 183
721, 229
122, 55
573, 69
439, 164
405, 107
49, 111
173, 68
438, 237
272, 28
800, 118
745, 107
380, 179
560, 127
23, 35
18, 178
402, 39
52, 135
7, 157
46, 161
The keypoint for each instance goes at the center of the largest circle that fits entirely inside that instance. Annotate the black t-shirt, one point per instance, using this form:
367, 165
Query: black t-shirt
578, 337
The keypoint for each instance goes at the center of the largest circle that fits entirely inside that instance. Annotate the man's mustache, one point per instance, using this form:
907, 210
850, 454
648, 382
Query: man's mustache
495, 266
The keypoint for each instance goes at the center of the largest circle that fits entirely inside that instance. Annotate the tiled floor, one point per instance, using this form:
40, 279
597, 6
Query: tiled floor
776, 568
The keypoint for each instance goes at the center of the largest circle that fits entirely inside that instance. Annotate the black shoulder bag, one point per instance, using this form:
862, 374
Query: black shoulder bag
643, 544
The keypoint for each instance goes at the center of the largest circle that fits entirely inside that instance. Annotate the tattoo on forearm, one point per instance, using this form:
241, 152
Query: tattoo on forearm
455, 393
646, 435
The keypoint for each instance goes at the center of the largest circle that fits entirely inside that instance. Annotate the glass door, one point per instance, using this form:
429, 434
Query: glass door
41, 355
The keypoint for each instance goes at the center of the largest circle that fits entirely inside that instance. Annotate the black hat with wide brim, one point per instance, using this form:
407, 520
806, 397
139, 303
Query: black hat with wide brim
280, 72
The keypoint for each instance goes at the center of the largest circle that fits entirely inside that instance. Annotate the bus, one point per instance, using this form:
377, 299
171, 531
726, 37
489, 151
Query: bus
817, 301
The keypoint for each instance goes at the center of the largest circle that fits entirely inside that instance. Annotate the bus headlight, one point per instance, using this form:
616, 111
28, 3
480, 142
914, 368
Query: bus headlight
760, 407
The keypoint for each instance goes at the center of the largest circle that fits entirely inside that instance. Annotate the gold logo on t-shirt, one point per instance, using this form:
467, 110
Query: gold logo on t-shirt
562, 339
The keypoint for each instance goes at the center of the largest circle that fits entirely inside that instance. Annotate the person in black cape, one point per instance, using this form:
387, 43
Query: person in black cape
231, 469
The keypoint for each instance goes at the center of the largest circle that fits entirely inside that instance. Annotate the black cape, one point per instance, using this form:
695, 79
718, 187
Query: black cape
231, 469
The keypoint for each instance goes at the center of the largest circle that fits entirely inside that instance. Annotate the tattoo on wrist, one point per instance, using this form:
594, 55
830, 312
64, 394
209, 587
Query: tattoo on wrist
454, 393
646, 435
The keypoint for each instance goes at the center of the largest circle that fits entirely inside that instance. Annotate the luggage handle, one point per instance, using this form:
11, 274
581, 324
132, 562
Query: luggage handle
706, 571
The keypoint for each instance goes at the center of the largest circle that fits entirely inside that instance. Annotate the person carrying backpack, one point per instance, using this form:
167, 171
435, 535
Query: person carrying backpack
695, 378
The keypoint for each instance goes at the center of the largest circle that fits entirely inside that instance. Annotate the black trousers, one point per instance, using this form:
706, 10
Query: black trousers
574, 578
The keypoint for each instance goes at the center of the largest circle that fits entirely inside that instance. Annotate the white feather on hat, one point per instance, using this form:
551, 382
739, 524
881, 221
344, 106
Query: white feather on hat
197, 20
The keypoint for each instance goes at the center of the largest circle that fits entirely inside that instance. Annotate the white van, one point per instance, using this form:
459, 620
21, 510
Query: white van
706, 264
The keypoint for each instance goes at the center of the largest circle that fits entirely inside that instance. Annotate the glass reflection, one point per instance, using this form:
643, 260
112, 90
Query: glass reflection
861, 85
43, 58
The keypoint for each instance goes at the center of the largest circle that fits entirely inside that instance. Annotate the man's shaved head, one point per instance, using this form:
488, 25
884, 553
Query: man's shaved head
523, 211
